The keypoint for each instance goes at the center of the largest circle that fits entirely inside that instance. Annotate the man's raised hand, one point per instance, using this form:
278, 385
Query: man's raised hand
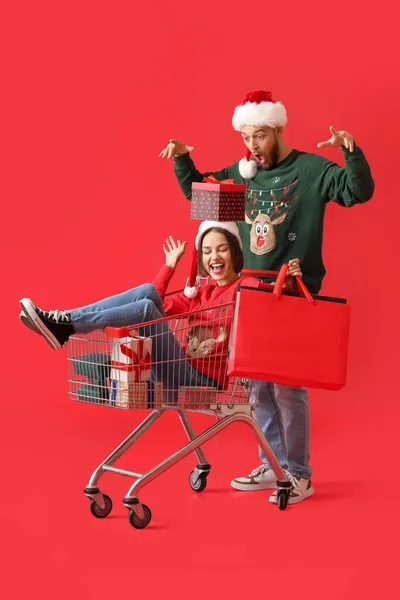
175, 148
339, 138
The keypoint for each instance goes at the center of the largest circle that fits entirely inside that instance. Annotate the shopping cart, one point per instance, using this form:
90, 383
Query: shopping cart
178, 364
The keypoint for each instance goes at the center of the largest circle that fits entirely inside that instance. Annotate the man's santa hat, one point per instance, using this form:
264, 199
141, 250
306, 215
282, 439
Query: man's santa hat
191, 290
257, 110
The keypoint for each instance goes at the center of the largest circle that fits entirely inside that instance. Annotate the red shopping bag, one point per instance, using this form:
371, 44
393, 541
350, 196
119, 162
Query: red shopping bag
291, 338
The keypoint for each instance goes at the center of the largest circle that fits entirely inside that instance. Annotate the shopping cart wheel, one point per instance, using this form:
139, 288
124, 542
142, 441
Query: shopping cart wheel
98, 512
138, 523
283, 497
199, 484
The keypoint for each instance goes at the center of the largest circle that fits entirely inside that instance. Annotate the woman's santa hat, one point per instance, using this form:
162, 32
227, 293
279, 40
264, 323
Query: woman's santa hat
191, 290
257, 110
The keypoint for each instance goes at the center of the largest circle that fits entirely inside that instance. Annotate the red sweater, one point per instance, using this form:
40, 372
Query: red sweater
205, 334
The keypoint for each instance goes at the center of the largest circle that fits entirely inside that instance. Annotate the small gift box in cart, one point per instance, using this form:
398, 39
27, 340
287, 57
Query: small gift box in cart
130, 369
136, 395
214, 200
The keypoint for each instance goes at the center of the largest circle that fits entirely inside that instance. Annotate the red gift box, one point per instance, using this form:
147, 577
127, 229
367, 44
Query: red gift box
214, 200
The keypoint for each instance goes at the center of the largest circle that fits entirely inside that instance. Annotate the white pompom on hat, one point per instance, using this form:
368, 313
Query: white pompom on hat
257, 110
191, 290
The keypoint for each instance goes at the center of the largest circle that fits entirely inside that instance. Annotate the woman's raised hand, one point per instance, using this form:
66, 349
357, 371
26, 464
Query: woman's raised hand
173, 251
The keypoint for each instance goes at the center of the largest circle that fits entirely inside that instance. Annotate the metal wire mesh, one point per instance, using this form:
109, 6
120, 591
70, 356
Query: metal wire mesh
178, 362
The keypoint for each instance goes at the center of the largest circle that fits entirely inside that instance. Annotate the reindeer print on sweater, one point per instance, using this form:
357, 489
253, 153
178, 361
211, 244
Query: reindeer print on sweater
265, 210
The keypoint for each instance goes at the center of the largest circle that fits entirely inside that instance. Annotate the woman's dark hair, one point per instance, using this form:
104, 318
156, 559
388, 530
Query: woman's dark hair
236, 251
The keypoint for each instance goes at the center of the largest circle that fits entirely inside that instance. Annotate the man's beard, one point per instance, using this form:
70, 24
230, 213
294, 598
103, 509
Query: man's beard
272, 159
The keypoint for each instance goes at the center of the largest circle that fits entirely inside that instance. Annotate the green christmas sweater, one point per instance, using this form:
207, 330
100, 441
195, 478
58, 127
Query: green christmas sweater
285, 206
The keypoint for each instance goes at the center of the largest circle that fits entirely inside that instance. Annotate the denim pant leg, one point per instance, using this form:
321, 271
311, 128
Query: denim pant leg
293, 405
169, 363
268, 416
142, 292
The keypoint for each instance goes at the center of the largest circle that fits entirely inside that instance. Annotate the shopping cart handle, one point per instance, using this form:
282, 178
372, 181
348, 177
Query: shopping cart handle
121, 332
258, 273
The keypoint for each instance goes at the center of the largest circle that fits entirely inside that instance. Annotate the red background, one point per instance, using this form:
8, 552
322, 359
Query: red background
91, 93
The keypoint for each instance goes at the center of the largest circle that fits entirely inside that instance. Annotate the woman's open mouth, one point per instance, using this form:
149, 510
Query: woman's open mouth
217, 268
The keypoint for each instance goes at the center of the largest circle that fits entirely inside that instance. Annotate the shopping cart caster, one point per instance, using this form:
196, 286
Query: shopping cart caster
283, 491
198, 483
139, 515
101, 512
283, 498
198, 477
136, 521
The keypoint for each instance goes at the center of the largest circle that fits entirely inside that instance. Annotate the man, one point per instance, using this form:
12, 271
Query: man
287, 192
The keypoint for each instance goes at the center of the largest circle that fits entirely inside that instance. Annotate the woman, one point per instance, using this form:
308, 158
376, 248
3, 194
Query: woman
201, 359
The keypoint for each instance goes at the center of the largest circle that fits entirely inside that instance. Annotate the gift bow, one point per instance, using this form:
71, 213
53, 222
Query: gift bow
211, 179
138, 368
137, 360
138, 364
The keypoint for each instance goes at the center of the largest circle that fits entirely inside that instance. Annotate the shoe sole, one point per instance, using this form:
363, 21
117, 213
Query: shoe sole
252, 487
28, 323
307, 494
37, 325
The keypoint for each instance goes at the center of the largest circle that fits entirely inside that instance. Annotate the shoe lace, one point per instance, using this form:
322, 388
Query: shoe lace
258, 470
293, 480
56, 315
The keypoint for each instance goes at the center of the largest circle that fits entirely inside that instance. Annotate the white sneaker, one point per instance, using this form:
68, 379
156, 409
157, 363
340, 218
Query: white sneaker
261, 478
302, 489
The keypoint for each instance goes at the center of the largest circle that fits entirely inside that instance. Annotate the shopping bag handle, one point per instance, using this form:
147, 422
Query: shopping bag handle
258, 273
280, 281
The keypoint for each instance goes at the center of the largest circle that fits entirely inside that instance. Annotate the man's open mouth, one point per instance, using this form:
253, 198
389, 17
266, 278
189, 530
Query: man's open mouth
259, 158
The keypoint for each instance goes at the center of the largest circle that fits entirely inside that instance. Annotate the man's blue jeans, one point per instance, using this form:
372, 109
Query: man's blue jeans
282, 413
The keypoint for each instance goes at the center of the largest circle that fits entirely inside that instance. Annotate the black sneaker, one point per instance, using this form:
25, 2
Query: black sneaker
54, 325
